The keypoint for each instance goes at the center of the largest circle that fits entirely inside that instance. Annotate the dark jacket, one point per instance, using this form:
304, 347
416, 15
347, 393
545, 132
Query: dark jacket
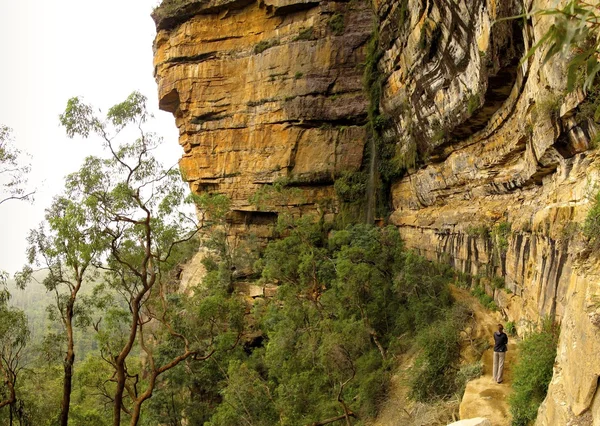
501, 340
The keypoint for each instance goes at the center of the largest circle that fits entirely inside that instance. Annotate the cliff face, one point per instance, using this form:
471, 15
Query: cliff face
500, 169
265, 92
506, 174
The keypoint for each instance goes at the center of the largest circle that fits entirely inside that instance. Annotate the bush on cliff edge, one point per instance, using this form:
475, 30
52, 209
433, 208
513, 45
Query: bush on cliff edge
533, 372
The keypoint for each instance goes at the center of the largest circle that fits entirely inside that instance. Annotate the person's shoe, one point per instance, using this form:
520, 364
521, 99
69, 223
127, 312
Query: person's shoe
499, 382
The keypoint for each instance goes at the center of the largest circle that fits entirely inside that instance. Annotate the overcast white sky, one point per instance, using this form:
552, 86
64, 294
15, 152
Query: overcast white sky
51, 51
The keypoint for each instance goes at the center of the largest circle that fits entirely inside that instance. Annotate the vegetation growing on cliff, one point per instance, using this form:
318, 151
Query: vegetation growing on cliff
322, 348
263, 45
328, 338
168, 9
14, 169
336, 24
533, 372
123, 214
591, 226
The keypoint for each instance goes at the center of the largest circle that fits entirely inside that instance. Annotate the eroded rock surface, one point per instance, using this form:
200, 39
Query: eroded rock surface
500, 164
264, 91
504, 180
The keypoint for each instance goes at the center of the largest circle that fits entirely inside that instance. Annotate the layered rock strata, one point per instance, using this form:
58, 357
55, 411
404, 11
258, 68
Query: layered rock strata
500, 168
266, 92
505, 176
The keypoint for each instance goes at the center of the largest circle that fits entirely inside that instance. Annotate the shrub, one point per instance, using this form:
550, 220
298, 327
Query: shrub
591, 226
434, 374
589, 109
533, 372
263, 45
306, 34
466, 374
549, 105
351, 186
168, 8
298, 75
498, 282
481, 345
481, 231
336, 24
500, 234
510, 328
485, 299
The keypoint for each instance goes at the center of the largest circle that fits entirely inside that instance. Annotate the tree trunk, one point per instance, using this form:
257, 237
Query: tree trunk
68, 367
118, 404
120, 359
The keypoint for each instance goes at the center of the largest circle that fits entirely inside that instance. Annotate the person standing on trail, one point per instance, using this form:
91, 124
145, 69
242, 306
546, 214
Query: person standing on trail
500, 348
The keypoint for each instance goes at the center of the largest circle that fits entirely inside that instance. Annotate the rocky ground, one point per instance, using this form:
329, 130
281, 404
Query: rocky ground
483, 397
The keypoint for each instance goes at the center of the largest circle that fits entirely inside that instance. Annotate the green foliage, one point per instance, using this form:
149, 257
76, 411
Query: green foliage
434, 374
168, 8
549, 105
591, 226
336, 24
485, 299
533, 372
576, 25
14, 337
351, 186
14, 169
574, 34
278, 193
247, 398
408, 156
463, 279
372, 78
139, 208
298, 75
390, 164
305, 34
500, 235
510, 328
480, 231
263, 45
402, 13
438, 136
467, 373
473, 104
497, 282
589, 109
343, 298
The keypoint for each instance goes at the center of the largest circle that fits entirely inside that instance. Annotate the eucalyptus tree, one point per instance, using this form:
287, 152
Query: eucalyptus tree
14, 336
14, 330
13, 169
139, 207
67, 244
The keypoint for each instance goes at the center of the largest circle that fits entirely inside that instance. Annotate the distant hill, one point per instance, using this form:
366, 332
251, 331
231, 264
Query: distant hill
34, 301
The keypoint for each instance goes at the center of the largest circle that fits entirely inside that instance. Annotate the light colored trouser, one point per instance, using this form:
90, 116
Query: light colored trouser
498, 365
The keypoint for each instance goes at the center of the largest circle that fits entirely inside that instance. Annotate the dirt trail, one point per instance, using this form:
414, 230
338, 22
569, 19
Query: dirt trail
483, 396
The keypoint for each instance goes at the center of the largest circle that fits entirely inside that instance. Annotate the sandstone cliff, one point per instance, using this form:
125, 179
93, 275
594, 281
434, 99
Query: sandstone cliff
500, 168
264, 92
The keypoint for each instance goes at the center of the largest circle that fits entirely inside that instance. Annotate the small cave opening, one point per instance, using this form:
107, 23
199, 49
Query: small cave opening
253, 218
